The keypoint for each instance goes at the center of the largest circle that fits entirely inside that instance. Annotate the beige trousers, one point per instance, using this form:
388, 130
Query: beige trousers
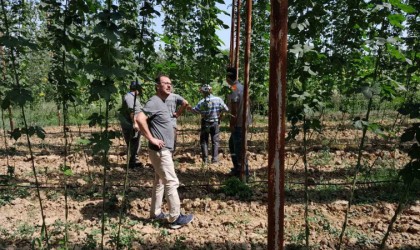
166, 183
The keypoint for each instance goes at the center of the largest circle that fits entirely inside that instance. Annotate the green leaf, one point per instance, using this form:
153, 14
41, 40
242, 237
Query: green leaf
359, 123
395, 52
410, 172
411, 70
40, 132
31, 131
5, 104
19, 96
406, 8
100, 144
102, 89
82, 141
375, 128
66, 170
16, 134
315, 124
308, 111
166, 39
412, 109
396, 20
113, 134
95, 118
13, 42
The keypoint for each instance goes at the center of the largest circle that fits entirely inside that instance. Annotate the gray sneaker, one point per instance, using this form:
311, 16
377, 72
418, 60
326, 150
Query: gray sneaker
182, 220
161, 216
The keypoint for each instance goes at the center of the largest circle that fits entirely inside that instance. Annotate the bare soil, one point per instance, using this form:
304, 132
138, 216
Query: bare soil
221, 221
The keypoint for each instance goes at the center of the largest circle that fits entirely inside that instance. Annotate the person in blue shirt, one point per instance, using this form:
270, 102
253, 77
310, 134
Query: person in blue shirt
210, 108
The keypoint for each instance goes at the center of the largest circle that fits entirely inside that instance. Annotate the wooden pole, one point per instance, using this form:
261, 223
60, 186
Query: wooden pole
238, 28
276, 126
232, 35
246, 87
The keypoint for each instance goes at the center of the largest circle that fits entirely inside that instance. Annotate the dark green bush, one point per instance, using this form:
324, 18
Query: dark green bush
235, 187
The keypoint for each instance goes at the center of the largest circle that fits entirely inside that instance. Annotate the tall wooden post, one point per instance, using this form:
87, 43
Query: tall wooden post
238, 29
276, 127
232, 35
246, 85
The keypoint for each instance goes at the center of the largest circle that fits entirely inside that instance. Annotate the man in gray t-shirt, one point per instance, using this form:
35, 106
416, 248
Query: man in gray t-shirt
156, 125
129, 108
235, 103
160, 122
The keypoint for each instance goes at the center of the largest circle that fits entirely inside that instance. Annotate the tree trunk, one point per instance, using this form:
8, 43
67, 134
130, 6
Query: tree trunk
12, 124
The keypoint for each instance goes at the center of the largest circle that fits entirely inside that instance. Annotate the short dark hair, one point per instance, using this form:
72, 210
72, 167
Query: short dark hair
135, 85
157, 79
231, 73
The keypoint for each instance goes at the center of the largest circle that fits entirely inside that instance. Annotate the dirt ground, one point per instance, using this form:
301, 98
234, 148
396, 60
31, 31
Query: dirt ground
221, 221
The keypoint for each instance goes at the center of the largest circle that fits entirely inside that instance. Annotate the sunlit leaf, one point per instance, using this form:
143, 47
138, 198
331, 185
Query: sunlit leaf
396, 20
406, 8
66, 170
376, 129
82, 141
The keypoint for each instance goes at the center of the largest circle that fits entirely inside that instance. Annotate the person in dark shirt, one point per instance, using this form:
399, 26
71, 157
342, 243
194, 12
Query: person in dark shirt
129, 108
235, 104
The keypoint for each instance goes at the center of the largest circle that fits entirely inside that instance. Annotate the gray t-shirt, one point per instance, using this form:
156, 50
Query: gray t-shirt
173, 101
237, 98
159, 121
127, 108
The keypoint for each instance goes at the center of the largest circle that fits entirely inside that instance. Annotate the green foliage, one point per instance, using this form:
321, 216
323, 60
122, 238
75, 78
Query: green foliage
194, 56
30, 131
126, 237
180, 243
81, 54
66, 170
89, 243
17, 96
24, 230
411, 109
411, 170
11, 194
234, 187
